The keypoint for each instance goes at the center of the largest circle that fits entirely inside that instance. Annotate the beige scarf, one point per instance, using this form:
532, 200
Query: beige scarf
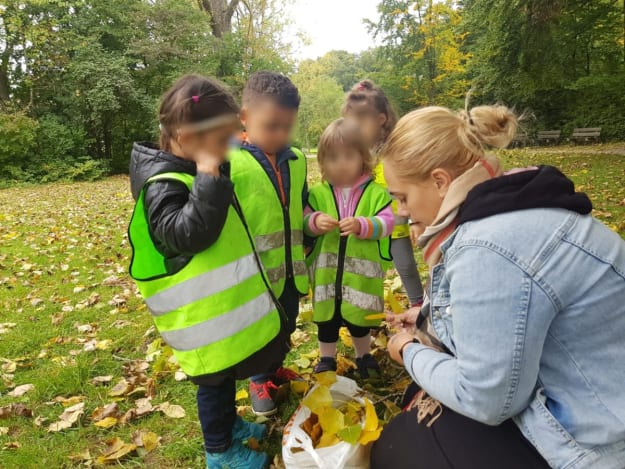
447, 219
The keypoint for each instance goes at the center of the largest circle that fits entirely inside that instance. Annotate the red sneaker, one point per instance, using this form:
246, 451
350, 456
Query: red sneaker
263, 395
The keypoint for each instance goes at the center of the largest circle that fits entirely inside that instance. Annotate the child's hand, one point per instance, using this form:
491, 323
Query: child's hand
349, 225
325, 223
207, 163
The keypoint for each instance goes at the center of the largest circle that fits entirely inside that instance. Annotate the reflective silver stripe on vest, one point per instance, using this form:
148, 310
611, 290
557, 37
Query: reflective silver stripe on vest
353, 297
269, 241
364, 267
275, 274
297, 237
206, 284
226, 325
275, 240
299, 268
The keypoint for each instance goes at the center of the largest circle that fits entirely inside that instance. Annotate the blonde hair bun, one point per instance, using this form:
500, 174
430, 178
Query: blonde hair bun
436, 137
495, 126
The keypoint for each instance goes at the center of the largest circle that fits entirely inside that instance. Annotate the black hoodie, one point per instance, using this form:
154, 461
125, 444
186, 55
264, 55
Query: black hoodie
181, 223
542, 187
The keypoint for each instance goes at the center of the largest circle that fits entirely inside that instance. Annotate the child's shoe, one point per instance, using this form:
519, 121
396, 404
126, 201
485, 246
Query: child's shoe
237, 457
285, 375
368, 366
263, 396
243, 430
325, 364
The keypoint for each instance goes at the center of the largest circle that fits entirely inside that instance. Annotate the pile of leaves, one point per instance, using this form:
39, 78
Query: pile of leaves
331, 421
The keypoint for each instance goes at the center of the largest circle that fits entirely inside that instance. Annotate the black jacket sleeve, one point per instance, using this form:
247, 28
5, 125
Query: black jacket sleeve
186, 223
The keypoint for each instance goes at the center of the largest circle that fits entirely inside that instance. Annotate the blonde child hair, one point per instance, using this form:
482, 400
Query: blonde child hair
436, 137
343, 133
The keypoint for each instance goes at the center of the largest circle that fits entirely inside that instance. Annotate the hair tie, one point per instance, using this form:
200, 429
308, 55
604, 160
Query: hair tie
361, 86
195, 98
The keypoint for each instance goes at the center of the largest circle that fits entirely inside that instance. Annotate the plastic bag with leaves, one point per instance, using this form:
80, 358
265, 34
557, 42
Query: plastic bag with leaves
332, 428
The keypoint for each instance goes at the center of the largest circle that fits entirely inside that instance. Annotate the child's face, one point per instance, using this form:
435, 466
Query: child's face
215, 142
268, 125
343, 166
371, 125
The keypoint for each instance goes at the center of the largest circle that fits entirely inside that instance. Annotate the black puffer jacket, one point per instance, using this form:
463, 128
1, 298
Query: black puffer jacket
181, 223
184, 223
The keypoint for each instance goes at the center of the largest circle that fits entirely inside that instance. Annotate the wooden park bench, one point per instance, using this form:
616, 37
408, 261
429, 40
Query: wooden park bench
549, 136
585, 135
520, 140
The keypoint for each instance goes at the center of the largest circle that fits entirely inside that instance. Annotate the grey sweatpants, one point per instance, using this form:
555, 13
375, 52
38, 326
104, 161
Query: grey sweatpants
403, 258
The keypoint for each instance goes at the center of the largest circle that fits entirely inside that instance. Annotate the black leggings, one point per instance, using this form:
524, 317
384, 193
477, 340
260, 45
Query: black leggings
453, 441
329, 331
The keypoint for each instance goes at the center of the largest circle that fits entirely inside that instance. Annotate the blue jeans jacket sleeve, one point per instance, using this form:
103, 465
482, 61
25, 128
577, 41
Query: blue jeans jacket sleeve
493, 374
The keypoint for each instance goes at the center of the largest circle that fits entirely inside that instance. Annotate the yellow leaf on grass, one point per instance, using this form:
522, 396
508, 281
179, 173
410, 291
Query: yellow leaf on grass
171, 410
241, 394
106, 422
318, 399
146, 440
122, 388
21, 390
69, 417
115, 450
331, 420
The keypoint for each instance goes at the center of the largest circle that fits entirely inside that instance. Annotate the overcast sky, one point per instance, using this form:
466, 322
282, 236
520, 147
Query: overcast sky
333, 25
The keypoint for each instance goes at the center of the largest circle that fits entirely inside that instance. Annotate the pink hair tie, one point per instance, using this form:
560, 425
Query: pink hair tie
195, 98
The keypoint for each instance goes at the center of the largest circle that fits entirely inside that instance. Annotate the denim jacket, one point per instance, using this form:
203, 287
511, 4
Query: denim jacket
532, 306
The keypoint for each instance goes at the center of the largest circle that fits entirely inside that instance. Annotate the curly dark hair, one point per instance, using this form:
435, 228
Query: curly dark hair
271, 85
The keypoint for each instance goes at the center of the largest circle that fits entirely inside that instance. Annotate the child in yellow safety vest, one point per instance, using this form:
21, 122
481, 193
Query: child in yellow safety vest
270, 177
368, 105
351, 216
195, 264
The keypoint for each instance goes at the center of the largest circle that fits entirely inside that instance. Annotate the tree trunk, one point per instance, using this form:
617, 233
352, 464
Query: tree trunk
5, 89
220, 12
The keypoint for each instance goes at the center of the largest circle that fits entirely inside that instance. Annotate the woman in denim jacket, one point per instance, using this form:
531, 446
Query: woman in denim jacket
518, 358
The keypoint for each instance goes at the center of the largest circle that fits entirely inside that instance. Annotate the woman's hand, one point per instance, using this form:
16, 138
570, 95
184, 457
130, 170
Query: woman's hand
349, 225
405, 321
325, 223
396, 345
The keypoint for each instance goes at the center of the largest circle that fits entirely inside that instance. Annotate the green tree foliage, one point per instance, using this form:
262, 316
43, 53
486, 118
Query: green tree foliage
424, 40
561, 60
322, 98
88, 74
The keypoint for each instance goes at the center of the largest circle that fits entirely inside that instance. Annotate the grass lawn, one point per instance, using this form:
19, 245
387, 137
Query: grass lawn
69, 314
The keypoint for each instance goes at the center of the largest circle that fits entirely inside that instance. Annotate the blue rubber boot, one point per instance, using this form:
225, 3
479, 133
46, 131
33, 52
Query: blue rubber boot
244, 430
237, 457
